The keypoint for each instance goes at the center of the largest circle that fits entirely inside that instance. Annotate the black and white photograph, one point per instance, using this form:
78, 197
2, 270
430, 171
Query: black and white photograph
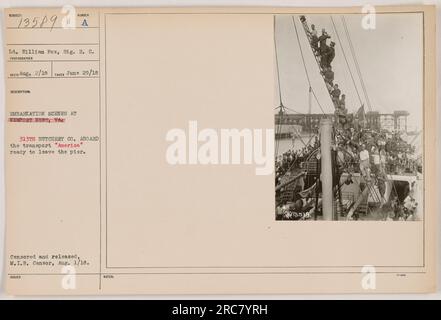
253, 150
349, 117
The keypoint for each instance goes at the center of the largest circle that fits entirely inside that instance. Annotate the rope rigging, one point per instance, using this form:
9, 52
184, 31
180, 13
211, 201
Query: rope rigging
290, 109
277, 64
347, 63
357, 66
281, 107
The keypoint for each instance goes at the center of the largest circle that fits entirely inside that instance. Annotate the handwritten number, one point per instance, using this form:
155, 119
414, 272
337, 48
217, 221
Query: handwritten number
43, 21
53, 20
34, 22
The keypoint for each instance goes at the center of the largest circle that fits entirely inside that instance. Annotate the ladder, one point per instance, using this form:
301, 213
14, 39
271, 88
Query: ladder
317, 58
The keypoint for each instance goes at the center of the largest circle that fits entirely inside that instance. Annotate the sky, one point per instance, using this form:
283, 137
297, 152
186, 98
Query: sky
390, 59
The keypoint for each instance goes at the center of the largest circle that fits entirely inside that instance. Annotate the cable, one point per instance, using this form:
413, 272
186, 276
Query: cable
292, 110
347, 63
356, 63
316, 99
278, 130
279, 127
277, 62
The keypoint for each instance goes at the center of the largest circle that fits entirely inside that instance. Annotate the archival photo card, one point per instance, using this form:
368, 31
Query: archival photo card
231, 150
349, 117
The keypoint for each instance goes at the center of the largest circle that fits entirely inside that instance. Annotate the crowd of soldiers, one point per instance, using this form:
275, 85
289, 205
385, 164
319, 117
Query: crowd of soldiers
292, 159
378, 152
375, 155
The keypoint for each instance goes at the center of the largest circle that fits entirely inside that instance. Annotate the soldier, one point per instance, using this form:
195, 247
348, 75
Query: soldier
335, 94
329, 78
383, 160
314, 39
331, 54
342, 110
375, 160
364, 163
328, 56
342, 102
322, 41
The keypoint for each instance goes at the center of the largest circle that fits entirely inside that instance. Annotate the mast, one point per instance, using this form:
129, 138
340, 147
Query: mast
326, 166
308, 119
